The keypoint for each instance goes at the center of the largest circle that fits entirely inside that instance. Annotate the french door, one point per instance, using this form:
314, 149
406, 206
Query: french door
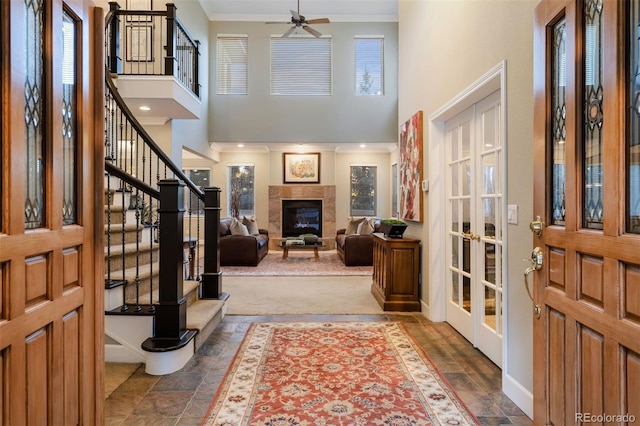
587, 197
51, 253
474, 218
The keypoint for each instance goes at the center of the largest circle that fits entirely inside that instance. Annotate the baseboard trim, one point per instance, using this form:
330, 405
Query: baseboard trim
520, 396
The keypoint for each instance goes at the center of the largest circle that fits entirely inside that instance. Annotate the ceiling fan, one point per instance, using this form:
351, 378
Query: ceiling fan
300, 21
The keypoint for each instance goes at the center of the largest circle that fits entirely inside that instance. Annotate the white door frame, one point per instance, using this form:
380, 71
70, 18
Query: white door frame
494, 79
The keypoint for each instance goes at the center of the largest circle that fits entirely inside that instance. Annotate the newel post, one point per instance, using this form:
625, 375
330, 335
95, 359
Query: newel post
114, 59
212, 277
171, 318
170, 58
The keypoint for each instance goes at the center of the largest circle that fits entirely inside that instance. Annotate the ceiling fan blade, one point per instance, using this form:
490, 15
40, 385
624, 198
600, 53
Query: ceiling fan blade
311, 31
281, 23
318, 21
289, 31
296, 15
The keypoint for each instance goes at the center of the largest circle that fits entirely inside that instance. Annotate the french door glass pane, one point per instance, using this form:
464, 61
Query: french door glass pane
69, 108
490, 308
455, 290
34, 113
558, 120
633, 120
593, 115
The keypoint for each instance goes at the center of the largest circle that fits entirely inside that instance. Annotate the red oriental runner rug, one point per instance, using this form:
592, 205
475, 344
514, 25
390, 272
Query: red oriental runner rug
351, 373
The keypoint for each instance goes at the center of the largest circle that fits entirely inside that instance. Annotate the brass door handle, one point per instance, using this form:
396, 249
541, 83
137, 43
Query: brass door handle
471, 236
536, 265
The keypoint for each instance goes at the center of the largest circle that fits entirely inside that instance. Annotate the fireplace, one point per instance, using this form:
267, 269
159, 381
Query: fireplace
301, 217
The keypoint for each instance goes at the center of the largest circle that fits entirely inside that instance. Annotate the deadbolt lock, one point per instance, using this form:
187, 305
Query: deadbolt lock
536, 226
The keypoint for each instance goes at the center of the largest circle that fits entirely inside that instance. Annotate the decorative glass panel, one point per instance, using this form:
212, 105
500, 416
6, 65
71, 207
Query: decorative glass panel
593, 136
34, 113
363, 190
633, 120
241, 190
558, 120
69, 110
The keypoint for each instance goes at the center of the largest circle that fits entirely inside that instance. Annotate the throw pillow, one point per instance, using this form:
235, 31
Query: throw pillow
251, 224
237, 228
223, 226
352, 226
366, 227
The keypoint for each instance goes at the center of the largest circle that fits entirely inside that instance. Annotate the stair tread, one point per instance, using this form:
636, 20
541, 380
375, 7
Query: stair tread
116, 249
130, 273
117, 227
187, 287
201, 312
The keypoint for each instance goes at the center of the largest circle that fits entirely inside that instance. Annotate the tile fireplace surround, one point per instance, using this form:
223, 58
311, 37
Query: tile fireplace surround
326, 193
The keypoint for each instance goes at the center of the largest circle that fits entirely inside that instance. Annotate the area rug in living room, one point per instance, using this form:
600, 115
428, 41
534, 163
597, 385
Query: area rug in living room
339, 373
299, 263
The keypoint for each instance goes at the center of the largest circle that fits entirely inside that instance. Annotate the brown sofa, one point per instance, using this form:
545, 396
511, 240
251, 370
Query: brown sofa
356, 249
241, 250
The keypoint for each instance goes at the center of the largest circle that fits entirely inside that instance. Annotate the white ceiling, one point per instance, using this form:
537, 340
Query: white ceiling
278, 10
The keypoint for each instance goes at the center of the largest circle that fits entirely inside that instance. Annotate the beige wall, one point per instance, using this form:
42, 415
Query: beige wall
445, 46
334, 171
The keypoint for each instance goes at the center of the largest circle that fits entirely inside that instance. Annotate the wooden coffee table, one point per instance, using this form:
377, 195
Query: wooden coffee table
301, 247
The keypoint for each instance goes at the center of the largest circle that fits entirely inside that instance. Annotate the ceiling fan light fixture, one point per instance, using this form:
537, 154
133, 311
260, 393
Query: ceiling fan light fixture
299, 20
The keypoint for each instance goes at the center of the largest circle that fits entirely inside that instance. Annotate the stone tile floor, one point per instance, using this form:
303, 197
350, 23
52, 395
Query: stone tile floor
182, 398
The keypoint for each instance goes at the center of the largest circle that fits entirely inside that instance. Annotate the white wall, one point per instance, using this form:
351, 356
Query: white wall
193, 134
341, 117
444, 47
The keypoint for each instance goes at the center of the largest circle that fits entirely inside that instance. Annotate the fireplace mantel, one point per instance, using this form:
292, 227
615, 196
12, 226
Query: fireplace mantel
326, 193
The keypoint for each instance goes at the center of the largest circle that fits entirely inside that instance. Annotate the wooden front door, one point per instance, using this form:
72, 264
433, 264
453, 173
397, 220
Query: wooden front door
587, 194
51, 273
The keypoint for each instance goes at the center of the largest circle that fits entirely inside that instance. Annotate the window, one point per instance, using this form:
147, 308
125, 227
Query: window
69, 128
633, 119
369, 65
301, 66
240, 192
232, 61
202, 179
363, 190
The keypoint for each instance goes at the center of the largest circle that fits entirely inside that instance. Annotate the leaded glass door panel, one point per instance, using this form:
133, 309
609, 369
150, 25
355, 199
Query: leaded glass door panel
586, 138
51, 254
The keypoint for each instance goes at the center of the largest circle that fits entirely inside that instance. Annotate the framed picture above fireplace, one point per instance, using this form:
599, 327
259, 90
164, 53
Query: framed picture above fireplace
301, 168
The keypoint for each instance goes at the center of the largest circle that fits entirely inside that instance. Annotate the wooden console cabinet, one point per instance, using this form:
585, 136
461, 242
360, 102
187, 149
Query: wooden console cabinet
396, 269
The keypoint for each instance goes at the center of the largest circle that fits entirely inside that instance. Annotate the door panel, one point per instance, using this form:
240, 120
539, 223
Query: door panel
51, 273
587, 337
474, 217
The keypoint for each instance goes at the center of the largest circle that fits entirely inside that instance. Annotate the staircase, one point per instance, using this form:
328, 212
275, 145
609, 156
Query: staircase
160, 307
131, 259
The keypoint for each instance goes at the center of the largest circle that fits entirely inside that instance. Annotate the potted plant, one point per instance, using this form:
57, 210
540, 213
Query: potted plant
393, 228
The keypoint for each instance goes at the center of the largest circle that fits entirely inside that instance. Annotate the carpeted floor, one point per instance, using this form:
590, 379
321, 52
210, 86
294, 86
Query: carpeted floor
266, 295
299, 263
342, 373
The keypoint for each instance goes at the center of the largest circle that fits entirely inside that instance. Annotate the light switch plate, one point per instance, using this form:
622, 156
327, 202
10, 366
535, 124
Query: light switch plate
512, 214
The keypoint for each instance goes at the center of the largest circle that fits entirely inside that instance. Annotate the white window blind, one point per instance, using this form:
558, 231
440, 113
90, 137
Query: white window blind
369, 65
232, 61
301, 66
